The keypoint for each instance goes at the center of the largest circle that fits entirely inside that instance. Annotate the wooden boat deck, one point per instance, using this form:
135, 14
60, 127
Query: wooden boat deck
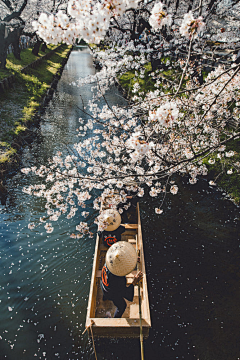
128, 324
102, 307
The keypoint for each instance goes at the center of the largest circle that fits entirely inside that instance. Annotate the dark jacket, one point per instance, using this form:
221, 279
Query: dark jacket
115, 286
110, 237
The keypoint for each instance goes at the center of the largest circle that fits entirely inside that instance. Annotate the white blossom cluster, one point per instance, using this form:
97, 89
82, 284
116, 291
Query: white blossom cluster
190, 27
165, 115
159, 17
140, 146
124, 149
91, 21
229, 92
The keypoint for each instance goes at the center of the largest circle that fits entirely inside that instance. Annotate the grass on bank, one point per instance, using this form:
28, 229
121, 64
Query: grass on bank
14, 65
147, 83
219, 172
18, 105
128, 79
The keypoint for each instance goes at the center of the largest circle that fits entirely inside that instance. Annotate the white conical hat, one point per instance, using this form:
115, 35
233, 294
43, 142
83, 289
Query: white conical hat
121, 258
113, 218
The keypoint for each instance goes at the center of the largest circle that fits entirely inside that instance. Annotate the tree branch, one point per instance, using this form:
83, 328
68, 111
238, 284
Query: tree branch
16, 14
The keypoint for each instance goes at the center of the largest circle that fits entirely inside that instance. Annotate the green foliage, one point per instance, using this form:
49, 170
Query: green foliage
6, 151
128, 79
147, 83
81, 42
19, 129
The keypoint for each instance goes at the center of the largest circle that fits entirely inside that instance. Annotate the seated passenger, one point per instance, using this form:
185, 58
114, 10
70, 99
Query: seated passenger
114, 229
121, 259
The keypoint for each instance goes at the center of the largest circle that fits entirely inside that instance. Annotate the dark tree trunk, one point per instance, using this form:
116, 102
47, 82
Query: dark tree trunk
36, 47
177, 5
16, 49
3, 58
43, 47
16, 45
10, 33
8, 37
3, 48
189, 7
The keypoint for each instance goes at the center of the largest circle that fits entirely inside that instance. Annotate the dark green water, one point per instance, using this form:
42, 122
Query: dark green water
192, 259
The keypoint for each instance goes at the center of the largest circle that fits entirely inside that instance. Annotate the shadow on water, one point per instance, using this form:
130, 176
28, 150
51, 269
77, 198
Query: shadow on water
191, 252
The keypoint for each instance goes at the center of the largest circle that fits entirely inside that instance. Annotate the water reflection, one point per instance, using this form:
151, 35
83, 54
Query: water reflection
192, 260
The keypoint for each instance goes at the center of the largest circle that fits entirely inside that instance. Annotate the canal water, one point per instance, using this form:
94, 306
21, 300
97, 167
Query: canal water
192, 260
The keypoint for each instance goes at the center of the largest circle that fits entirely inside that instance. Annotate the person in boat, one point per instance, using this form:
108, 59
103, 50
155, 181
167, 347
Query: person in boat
121, 259
114, 229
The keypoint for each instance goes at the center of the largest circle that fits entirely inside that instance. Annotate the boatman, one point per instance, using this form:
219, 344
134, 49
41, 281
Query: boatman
121, 259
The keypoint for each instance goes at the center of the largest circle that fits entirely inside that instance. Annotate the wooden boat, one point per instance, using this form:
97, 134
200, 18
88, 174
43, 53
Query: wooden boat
129, 324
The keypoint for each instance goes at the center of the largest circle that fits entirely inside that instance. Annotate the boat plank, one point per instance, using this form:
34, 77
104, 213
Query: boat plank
130, 275
130, 226
123, 327
109, 322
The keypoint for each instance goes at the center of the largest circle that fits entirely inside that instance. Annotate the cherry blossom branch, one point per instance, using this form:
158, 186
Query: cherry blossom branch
197, 87
185, 69
107, 102
217, 96
165, 192
85, 112
16, 14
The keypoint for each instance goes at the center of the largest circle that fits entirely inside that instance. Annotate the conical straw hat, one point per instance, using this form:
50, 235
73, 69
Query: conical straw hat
113, 218
121, 258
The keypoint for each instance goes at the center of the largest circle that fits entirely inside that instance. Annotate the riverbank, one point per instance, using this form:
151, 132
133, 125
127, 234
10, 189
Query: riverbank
21, 106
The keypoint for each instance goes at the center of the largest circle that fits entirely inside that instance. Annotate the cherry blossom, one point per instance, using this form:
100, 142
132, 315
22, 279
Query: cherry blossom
158, 211
191, 27
174, 189
165, 115
159, 17
178, 126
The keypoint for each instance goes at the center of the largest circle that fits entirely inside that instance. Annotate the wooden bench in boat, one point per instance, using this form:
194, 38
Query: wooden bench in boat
129, 324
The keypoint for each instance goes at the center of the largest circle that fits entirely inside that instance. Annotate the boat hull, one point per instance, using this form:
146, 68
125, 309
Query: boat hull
97, 322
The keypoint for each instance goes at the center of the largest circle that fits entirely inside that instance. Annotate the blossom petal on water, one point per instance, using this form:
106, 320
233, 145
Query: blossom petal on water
31, 226
174, 189
212, 183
